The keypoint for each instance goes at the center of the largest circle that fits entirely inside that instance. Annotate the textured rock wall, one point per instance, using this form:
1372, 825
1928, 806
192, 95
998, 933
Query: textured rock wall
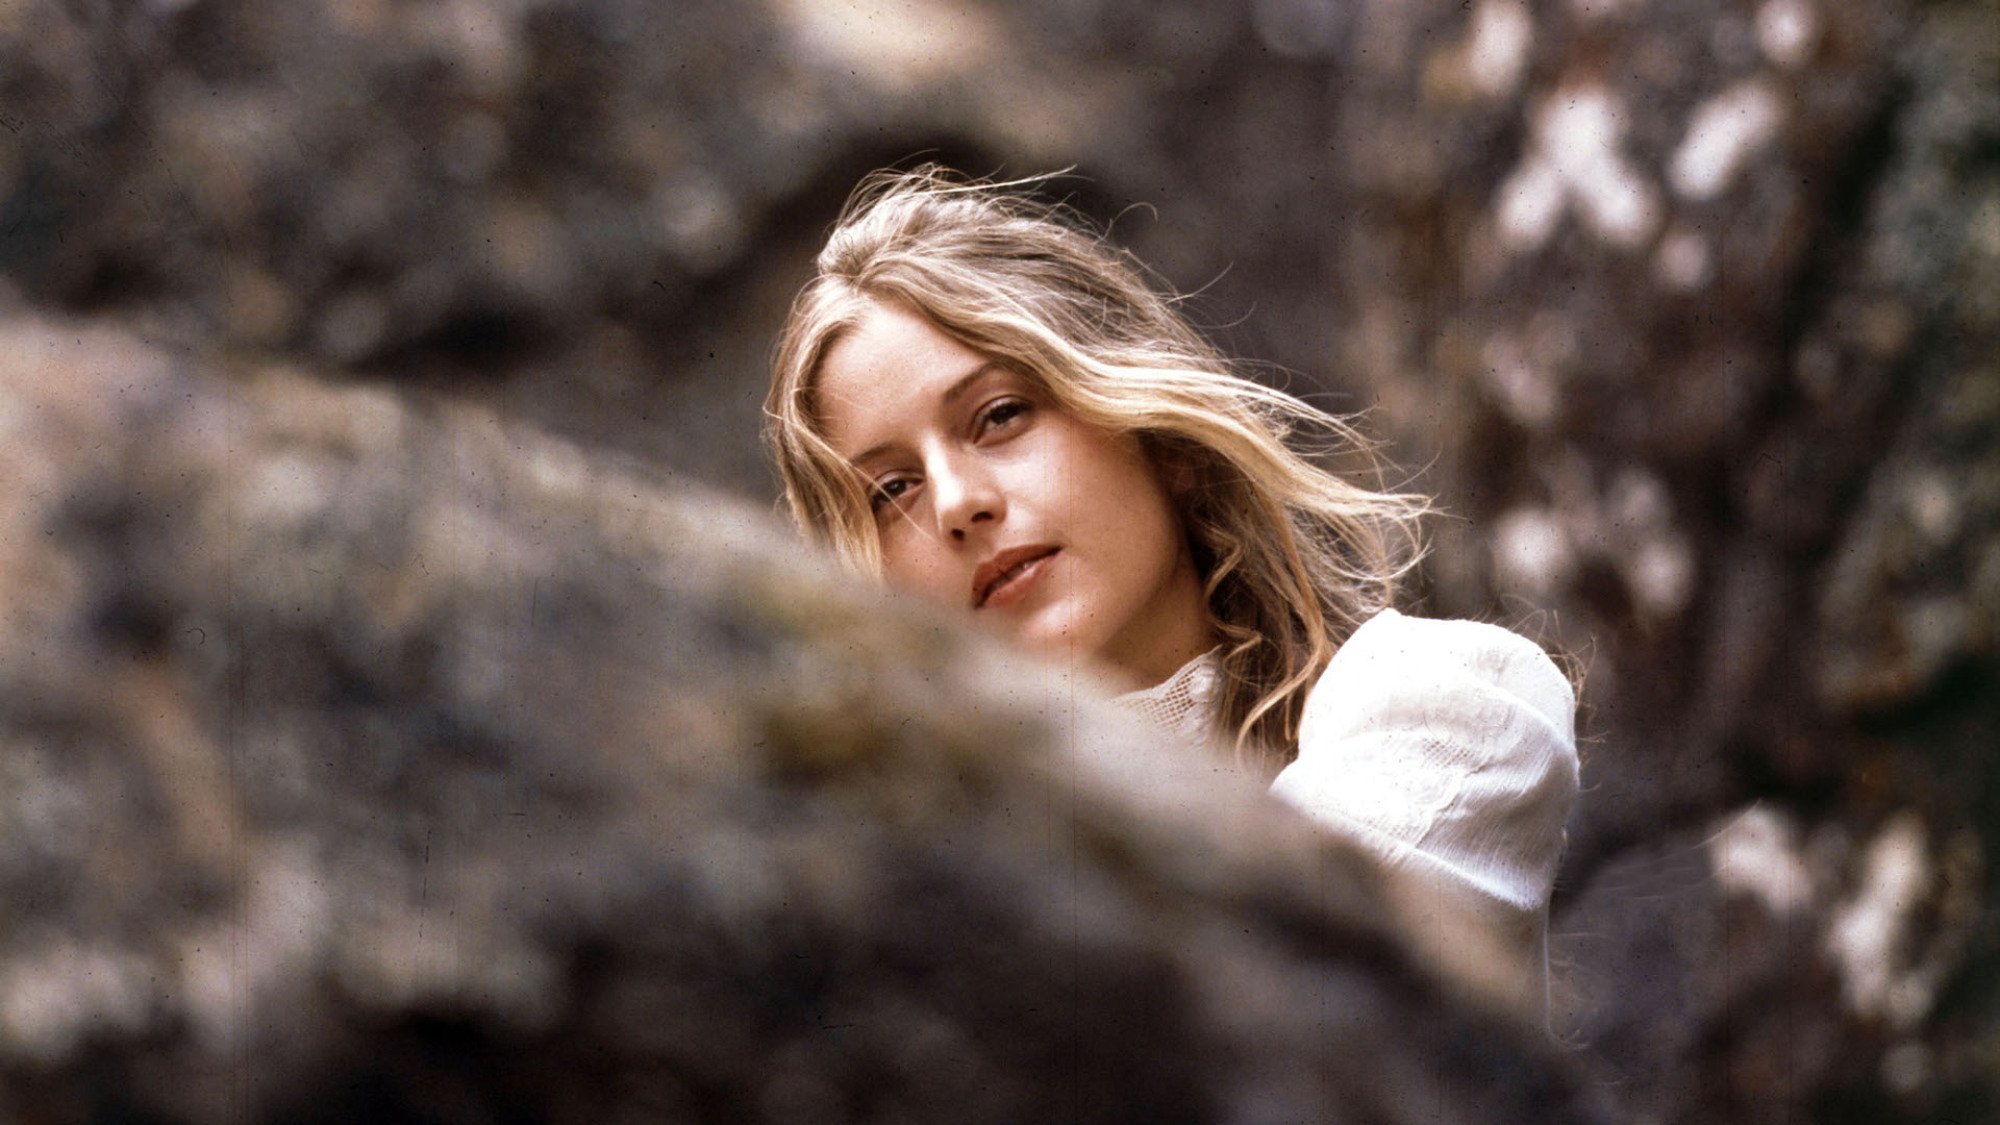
1687, 310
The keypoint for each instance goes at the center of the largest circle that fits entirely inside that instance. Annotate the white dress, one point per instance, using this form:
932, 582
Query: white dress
1445, 748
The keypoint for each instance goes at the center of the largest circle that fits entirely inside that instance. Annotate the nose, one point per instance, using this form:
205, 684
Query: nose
964, 493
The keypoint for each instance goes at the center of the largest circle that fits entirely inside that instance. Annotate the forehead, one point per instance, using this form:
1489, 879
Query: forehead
888, 372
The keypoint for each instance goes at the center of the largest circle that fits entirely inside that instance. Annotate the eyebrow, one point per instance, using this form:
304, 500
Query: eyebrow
951, 394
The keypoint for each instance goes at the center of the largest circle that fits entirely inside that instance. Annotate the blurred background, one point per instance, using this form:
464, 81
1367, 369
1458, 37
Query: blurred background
1685, 311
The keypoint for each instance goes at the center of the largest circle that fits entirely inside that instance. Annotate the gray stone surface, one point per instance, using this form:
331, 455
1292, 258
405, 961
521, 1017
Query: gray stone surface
376, 761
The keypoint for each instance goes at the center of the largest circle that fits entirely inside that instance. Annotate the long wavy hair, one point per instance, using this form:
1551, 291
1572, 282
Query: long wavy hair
1292, 556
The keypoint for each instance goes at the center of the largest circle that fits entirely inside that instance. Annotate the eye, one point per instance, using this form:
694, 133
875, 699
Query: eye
1000, 413
888, 491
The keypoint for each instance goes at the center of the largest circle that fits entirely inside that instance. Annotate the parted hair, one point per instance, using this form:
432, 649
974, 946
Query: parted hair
1293, 556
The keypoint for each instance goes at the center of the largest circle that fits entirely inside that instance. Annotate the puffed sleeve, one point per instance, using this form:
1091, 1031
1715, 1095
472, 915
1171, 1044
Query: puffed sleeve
1447, 748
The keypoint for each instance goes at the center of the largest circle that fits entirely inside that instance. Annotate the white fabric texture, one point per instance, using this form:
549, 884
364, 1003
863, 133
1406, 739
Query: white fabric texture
1446, 748
1183, 703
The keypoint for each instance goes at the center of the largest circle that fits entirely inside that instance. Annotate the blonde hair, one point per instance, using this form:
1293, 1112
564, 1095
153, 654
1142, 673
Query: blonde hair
1292, 557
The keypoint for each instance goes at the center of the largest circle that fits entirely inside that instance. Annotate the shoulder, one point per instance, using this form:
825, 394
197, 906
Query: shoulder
1444, 744
1473, 710
1437, 668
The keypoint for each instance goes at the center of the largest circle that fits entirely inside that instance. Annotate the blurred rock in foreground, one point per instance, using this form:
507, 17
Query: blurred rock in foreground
372, 761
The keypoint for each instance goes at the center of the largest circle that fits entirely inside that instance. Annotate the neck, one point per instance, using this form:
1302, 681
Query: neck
1177, 631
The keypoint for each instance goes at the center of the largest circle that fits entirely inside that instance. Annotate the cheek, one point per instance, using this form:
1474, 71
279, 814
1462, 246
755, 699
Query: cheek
913, 563
1130, 501
1150, 539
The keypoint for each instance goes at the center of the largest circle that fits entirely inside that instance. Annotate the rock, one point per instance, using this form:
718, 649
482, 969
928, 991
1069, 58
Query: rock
369, 759
1702, 968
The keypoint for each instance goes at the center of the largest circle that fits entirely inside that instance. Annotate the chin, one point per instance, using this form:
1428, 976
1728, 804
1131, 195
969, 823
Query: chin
1055, 636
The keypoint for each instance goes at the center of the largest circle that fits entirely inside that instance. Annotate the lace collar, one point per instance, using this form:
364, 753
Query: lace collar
1183, 703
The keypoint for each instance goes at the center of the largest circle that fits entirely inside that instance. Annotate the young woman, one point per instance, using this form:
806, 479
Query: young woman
978, 399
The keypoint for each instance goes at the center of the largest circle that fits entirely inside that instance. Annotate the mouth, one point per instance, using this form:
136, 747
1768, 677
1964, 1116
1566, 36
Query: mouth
1006, 577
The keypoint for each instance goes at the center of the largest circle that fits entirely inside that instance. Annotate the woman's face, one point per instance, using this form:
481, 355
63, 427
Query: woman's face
987, 497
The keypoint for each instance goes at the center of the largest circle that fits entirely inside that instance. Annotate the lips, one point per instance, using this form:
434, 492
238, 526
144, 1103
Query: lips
1007, 570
